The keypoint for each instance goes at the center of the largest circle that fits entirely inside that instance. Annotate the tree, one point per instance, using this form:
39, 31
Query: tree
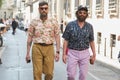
0, 3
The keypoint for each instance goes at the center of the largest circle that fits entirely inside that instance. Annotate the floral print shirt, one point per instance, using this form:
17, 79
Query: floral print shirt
78, 38
43, 32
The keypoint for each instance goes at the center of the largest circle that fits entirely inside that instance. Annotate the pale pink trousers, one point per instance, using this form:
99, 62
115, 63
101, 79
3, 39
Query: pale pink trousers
80, 59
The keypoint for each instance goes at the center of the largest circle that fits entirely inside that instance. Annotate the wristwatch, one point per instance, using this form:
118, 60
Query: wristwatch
58, 52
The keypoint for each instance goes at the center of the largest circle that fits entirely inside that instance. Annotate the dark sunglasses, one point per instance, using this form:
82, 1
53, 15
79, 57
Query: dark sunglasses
80, 12
44, 8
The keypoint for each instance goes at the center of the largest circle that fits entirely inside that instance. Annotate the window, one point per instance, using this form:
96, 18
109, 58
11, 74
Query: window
50, 2
31, 8
99, 8
113, 8
55, 6
98, 1
67, 6
99, 37
88, 4
76, 4
112, 40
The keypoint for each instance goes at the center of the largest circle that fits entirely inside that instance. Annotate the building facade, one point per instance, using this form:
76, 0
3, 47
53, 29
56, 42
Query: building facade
12, 9
6, 9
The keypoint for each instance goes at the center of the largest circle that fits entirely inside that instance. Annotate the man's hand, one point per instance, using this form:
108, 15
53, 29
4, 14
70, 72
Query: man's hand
92, 59
64, 58
57, 57
28, 60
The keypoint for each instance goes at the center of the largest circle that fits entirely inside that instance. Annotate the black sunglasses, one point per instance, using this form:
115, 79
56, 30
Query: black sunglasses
45, 8
81, 12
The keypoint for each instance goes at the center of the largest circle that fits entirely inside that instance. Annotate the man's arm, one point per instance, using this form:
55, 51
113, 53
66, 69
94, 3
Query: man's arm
65, 44
93, 57
57, 38
57, 34
64, 57
29, 43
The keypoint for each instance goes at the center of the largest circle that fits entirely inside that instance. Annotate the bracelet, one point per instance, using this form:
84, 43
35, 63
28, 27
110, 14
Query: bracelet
58, 52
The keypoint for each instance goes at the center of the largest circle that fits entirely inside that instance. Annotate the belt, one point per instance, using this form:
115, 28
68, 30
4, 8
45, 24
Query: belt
44, 44
83, 49
79, 49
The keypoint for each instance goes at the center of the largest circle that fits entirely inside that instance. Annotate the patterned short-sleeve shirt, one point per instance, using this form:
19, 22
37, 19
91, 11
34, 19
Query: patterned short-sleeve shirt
78, 38
43, 32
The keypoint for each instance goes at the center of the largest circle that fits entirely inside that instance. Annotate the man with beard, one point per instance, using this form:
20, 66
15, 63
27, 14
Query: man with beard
42, 32
78, 36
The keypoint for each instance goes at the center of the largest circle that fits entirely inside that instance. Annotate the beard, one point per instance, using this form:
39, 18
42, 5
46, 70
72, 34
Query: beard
81, 18
43, 15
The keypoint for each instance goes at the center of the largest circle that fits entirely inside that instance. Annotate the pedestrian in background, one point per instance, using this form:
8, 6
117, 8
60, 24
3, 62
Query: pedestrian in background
1, 21
7, 24
14, 26
61, 25
26, 26
78, 35
3, 26
42, 32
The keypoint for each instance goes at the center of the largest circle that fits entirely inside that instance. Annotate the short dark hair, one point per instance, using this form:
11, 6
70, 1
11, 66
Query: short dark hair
43, 3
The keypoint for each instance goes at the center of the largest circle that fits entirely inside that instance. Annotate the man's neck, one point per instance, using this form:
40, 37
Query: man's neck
43, 18
81, 24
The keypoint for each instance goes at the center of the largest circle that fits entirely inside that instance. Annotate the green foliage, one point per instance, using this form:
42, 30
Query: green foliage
0, 3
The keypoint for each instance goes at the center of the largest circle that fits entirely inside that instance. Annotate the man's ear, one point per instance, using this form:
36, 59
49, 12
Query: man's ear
87, 14
76, 13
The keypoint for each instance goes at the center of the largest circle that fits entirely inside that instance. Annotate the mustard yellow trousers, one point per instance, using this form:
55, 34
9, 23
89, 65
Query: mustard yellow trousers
43, 61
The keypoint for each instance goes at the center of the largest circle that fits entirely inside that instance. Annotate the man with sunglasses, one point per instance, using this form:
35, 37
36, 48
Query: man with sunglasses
42, 32
78, 36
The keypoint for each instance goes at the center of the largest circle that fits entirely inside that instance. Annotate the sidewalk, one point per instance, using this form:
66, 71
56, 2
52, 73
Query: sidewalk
1, 51
109, 62
105, 60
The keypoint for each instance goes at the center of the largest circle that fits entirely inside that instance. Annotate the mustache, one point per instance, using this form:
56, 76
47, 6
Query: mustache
43, 15
81, 19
